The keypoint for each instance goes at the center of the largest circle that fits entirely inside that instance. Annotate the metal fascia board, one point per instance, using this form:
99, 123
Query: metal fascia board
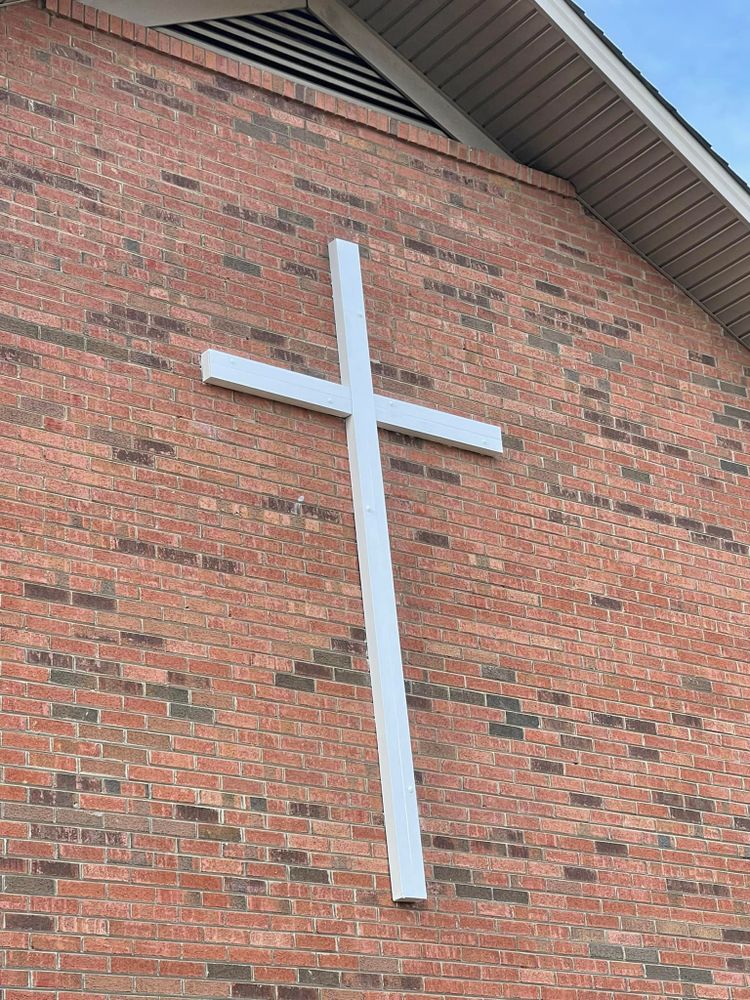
155, 13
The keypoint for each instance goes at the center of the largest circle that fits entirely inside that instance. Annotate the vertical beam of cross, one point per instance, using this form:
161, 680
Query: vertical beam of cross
376, 572
365, 411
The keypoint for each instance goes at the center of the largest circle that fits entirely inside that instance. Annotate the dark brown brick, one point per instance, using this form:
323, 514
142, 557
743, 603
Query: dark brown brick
196, 814
253, 991
289, 857
666, 972
464, 891
235, 973
136, 548
447, 873
611, 849
241, 265
298, 993
586, 801
132, 457
295, 682
68, 678
28, 922
735, 935
691, 721
515, 896
40, 592
577, 874
180, 556
220, 832
612, 721
55, 113
95, 602
218, 565
55, 869
608, 952
308, 810
550, 289
609, 603
307, 874
432, 538
76, 713
546, 766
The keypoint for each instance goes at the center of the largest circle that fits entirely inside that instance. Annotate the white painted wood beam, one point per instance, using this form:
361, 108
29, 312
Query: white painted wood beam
436, 425
376, 572
364, 411
271, 382
402, 74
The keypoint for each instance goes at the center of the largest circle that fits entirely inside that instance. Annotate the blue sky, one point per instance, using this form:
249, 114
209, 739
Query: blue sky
697, 54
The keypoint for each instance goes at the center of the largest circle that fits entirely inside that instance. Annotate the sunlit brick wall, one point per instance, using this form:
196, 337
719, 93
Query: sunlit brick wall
190, 799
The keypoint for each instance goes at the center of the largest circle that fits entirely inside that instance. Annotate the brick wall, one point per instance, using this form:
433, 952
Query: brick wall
190, 798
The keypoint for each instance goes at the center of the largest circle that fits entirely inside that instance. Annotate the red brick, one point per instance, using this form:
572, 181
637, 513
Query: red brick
191, 783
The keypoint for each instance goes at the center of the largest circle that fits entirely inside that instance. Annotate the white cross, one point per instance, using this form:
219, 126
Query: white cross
365, 411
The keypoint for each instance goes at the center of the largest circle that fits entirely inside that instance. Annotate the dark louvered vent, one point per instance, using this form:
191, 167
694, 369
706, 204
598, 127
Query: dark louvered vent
297, 45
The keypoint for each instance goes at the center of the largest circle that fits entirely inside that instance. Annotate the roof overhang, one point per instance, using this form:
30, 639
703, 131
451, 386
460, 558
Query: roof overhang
536, 79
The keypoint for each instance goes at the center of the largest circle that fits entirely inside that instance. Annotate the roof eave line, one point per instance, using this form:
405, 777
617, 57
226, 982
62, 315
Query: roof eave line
740, 338
644, 103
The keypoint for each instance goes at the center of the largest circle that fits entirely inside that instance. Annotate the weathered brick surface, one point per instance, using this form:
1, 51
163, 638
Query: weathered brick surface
190, 803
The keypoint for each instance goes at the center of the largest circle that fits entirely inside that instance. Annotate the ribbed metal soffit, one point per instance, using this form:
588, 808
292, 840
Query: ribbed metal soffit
513, 71
297, 45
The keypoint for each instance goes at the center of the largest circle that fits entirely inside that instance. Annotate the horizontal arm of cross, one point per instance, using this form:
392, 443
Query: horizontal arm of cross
271, 382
